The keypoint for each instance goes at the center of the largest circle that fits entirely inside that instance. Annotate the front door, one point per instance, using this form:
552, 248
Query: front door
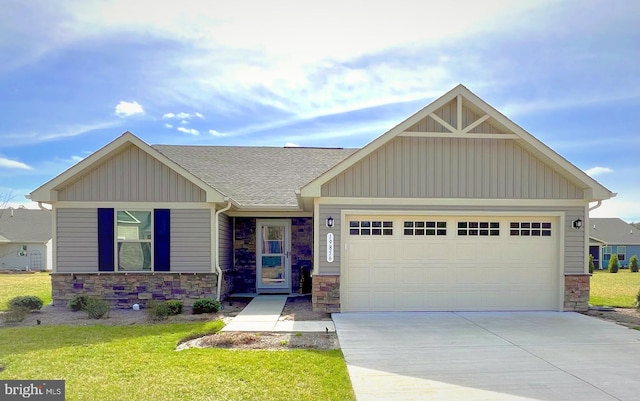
273, 256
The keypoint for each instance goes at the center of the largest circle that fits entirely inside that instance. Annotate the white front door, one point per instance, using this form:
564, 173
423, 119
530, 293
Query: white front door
273, 256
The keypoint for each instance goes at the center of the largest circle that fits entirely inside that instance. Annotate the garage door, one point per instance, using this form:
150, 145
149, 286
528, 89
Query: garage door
449, 263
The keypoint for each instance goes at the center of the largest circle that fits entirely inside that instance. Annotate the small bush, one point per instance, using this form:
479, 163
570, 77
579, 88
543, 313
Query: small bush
97, 308
157, 311
30, 302
175, 307
638, 300
15, 314
591, 265
613, 264
206, 305
634, 266
78, 303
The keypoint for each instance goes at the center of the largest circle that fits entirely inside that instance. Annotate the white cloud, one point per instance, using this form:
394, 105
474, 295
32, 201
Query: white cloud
216, 133
184, 122
126, 109
199, 115
594, 171
189, 131
168, 126
291, 145
4, 162
168, 115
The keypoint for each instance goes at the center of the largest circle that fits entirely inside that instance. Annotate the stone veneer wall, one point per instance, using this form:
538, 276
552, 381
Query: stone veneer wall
244, 254
576, 292
244, 243
326, 294
124, 290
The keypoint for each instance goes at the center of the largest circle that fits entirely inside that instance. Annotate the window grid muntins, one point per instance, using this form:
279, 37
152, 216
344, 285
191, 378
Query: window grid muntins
529, 229
426, 228
134, 240
479, 228
371, 227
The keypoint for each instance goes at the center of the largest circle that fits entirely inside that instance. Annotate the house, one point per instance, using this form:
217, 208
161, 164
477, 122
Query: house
25, 239
455, 208
609, 236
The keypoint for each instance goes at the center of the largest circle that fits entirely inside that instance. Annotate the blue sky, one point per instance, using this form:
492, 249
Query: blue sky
75, 75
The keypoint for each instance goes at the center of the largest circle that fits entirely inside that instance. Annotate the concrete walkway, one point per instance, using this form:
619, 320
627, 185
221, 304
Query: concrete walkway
498, 356
263, 314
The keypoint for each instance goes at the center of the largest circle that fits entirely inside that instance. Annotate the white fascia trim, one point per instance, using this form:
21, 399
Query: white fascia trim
471, 203
360, 212
134, 205
243, 213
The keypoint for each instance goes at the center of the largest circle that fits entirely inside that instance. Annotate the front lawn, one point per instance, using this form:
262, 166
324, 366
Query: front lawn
13, 285
614, 289
139, 363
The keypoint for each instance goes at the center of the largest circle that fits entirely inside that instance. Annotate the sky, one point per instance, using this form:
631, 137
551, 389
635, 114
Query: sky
75, 75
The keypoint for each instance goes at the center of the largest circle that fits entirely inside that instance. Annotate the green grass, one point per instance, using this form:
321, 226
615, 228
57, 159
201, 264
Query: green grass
13, 285
139, 363
614, 289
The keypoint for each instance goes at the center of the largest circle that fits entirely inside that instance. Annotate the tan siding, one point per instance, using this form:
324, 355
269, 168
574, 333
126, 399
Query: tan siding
132, 175
191, 240
574, 239
411, 167
225, 245
76, 240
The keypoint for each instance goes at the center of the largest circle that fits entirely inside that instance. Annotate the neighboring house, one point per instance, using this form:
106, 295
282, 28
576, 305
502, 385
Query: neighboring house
609, 236
455, 208
25, 239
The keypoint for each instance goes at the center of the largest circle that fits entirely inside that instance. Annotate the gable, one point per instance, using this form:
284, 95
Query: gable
412, 167
131, 175
460, 147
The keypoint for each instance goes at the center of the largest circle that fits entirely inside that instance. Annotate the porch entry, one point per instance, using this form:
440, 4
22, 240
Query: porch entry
273, 256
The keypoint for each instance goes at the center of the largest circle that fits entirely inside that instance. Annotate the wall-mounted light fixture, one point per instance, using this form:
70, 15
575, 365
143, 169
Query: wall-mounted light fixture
330, 222
576, 224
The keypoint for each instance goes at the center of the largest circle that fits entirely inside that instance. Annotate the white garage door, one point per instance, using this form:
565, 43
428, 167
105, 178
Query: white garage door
404, 263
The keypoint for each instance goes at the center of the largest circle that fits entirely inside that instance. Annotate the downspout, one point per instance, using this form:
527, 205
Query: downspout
597, 205
217, 247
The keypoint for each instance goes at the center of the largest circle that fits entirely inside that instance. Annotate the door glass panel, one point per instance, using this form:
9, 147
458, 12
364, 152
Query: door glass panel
272, 269
272, 239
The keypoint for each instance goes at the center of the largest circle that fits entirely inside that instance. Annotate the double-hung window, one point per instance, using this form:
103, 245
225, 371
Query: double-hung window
134, 240
622, 252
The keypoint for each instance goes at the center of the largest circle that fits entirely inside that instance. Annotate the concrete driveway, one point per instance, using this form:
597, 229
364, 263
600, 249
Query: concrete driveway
489, 356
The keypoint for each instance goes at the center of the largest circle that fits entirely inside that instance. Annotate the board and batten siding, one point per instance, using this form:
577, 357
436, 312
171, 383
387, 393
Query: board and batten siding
132, 175
431, 167
574, 250
76, 240
225, 243
191, 241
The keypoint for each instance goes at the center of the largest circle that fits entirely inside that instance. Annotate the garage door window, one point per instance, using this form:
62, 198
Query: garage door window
479, 228
370, 227
529, 229
413, 228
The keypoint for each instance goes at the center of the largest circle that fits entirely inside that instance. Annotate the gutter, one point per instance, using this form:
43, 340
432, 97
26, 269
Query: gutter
597, 205
217, 247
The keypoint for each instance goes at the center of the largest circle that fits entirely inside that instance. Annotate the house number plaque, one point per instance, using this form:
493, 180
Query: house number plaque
330, 247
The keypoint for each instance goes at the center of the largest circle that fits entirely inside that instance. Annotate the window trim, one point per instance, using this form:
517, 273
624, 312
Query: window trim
150, 241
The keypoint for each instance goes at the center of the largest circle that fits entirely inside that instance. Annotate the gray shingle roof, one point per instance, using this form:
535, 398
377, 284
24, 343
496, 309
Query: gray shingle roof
254, 176
26, 225
613, 231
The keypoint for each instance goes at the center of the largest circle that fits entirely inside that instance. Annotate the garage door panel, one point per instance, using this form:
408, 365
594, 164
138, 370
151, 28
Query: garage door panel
450, 272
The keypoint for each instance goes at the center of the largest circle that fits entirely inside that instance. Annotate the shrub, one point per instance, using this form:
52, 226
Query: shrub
15, 314
638, 300
157, 311
591, 265
78, 303
97, 308
175, 307
634, 266
30, 302
206, 305
613, 264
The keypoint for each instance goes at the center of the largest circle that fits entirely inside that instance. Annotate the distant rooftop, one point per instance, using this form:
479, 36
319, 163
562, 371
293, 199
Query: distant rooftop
25, 225
613, 231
